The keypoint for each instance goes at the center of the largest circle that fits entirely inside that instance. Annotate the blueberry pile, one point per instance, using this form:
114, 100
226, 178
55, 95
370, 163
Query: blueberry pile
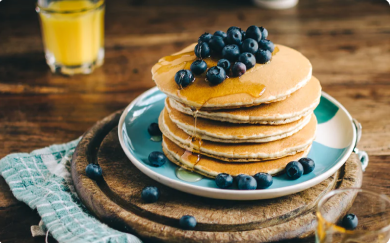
295, 169
237, 50
244, 182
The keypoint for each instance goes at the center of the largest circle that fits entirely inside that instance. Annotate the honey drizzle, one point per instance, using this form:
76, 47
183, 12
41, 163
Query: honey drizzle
201, 91
191, 140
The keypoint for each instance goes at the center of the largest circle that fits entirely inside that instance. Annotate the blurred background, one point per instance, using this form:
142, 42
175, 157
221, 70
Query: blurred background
347, 42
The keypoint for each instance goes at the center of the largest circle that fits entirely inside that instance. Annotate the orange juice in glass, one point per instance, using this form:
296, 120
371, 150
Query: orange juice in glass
73, 34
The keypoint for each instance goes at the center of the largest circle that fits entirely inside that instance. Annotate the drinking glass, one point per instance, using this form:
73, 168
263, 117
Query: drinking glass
72, 33
371, 209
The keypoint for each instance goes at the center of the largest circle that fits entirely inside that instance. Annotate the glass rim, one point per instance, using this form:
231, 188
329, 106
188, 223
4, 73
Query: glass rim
338, 191
42, 9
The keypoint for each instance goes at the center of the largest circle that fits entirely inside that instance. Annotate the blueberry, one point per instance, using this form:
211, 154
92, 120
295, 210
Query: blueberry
266, 45
308, 165
247, 183
216, 44
204, 37
238, 69
216, 75
154, 130
157, 158
221, 34
263, 56
198, 67
150, 194
250, 45
202, 50
254, 32
225, 64
247, 59
224, 180
294, 170
94, 171
234, 37
350, 221
187, 222
183, 78
231, 52
243, 34
264, 180
237, 178
264, 32
234, 28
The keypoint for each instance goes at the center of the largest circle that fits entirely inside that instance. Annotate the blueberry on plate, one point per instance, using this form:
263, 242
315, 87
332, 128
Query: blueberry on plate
205, 37
198, 67
94, 172
247, 183
266, 45
308, 165
234, 37
238, 69
254, 32
247, 59
157, 159
154, 130
221, 34
263, 56
224, 180
183, 78
150, 194
349, 221
216, 44
249, 45
216, 75
225, 64
294, 170
202, 50
237, 178
187, 222
264, 180
231, 52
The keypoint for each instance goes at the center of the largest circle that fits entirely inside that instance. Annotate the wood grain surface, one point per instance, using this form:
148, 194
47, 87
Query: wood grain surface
347, 42
116, 200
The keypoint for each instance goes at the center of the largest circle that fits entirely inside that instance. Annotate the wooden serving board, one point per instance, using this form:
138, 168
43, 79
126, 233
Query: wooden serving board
116, 200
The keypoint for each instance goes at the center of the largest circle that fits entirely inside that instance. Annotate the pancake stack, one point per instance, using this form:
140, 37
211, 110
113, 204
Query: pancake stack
258, 122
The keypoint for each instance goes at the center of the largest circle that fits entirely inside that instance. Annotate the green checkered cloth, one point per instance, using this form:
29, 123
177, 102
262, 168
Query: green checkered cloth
43, 181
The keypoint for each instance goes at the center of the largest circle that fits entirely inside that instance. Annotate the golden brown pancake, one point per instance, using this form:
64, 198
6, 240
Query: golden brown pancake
293, 108
244, 152
287, 72
233, 133
210, 167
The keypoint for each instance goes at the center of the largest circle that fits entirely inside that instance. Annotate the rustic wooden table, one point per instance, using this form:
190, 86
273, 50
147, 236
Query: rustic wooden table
346, 41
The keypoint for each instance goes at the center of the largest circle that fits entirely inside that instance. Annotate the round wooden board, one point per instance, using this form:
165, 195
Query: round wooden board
116, 199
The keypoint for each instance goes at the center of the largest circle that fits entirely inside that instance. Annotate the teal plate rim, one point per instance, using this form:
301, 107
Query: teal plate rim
232, 194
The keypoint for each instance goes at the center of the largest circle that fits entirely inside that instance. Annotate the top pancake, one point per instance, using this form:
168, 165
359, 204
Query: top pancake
287, 72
